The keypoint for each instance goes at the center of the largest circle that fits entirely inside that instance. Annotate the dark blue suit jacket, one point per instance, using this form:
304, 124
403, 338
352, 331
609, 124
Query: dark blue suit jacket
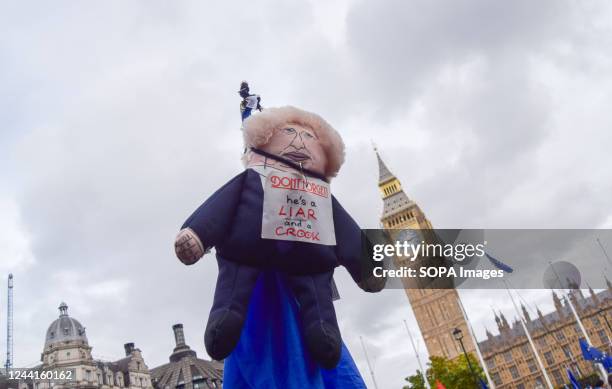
230, 221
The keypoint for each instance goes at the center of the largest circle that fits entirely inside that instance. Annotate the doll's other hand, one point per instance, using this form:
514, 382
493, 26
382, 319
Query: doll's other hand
188, 247
372, 284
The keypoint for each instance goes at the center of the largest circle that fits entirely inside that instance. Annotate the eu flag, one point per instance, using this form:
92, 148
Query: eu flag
499, 264
586, 350
573, 380
590, 353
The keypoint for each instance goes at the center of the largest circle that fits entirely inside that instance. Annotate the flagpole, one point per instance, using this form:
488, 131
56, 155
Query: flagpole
604, 250
602, 371
417, 357
471, 332
533, 348
368, 361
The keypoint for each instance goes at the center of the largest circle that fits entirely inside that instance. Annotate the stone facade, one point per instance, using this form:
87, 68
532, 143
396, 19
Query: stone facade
510, 359
437, 311
508, 355
67, 350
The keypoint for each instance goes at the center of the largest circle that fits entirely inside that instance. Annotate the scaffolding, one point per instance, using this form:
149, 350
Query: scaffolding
9, 325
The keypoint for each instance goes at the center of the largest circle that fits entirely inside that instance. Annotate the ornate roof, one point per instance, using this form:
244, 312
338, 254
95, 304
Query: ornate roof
395, 203
65, 328
186, 369
384, 174
514, 332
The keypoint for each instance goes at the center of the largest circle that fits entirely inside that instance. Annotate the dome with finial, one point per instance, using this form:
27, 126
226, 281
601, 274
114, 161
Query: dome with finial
185, 370
65, 329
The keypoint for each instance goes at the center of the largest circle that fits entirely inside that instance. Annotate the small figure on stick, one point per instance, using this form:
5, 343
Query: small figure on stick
249, 101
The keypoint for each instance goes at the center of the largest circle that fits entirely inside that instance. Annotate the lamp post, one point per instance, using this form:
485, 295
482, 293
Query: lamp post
458, 335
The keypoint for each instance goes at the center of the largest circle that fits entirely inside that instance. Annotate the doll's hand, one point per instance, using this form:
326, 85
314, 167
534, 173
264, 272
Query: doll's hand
372, 284
188, 247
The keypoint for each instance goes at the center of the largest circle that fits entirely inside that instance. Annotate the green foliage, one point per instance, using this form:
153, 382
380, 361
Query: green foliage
415, 381
453, 374
589, 380
584, 382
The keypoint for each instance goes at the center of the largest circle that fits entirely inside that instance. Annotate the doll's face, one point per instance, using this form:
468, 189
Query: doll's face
298, 144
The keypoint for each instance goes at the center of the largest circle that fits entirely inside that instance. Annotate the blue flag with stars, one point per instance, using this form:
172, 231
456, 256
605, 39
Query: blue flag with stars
573, 380
591, 353
499, 264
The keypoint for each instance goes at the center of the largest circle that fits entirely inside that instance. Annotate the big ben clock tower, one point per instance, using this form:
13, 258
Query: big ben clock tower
437, 311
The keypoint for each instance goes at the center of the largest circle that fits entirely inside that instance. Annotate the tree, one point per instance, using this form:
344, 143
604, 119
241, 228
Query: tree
415, 381
453, 373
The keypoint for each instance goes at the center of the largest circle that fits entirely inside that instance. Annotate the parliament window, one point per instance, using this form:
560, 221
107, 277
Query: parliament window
596, 321
514, 372
532, 366
508, 356
542, 341
558, 377
603, 336
549, 358
525, 349
496, 379
567, 351
560, 335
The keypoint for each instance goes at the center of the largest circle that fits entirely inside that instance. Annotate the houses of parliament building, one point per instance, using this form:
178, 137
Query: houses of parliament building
508, 355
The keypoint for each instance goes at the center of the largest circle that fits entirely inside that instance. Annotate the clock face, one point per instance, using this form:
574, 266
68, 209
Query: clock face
410, 236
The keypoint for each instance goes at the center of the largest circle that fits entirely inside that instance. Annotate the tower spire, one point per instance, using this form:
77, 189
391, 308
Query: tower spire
540, 315
384, 174
504, 322
401, 213
398, 210
558, 303
525, 313
593, 294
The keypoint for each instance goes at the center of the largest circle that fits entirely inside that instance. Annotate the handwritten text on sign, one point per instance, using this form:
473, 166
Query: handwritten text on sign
297, 208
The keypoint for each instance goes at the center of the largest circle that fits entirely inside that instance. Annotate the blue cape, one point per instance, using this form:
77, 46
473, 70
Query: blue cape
271, 353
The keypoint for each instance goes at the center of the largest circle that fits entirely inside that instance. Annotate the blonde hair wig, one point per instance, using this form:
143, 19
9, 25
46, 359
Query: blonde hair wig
259, 128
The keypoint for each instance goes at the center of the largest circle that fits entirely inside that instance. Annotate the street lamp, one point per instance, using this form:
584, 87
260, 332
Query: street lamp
458, 335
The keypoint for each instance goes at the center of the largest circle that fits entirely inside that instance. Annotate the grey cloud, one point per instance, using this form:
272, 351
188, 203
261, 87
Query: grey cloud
122, 118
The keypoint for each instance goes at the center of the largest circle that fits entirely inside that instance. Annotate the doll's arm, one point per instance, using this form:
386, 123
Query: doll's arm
207, 226
354, 250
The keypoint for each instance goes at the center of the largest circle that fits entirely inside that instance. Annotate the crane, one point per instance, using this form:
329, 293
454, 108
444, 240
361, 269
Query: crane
9, 324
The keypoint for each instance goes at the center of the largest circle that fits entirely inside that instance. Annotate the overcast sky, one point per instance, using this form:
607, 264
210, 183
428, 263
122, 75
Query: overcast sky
118, 118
